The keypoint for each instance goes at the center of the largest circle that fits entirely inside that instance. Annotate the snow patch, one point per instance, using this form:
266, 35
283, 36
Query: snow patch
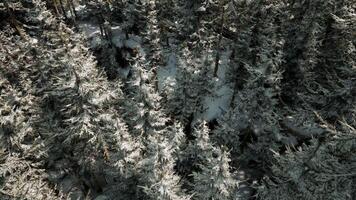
89, 29
132, 43
92, 32
217, 103
80, 9
166, 75
118, 39
123, 72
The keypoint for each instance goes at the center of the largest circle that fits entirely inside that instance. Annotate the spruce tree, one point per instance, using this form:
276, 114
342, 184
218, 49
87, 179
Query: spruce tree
159, 141
72, 126
316, 171
215, 181
208, 166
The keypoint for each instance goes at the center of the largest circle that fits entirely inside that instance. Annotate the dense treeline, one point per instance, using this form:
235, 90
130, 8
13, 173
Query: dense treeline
168, 99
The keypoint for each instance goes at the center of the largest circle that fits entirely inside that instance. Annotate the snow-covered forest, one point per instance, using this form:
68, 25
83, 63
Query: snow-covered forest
177, 99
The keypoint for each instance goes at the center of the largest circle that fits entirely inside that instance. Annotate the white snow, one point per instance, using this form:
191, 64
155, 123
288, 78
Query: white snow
166, 75
123, 72
92, 32
132, 43
118, 40
80, 8
34, 41
218, 103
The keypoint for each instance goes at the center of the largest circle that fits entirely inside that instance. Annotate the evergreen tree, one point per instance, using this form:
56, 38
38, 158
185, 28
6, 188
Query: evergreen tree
199, 150
208, 165
193, 82
215, 181
159, 141
159, 177
103, 118
316, 171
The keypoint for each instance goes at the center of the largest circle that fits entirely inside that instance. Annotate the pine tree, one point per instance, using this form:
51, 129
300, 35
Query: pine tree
77, 130
207, 165
252, 124
316, 171
22, 174
22, 169
70, 129
160, 180
193, 82
215, 181
199, 150
89, 115
159, 141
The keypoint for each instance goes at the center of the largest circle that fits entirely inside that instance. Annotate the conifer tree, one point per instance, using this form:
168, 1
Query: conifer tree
251, 126
22, 174
193, 82
159, 177
76, 126
159, 141
199, 150
71, 128
316, 171
208, 165
215, 181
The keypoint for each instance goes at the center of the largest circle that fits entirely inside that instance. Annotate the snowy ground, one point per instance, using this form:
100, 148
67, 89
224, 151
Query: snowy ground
167, 74
218, 102
92, 32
